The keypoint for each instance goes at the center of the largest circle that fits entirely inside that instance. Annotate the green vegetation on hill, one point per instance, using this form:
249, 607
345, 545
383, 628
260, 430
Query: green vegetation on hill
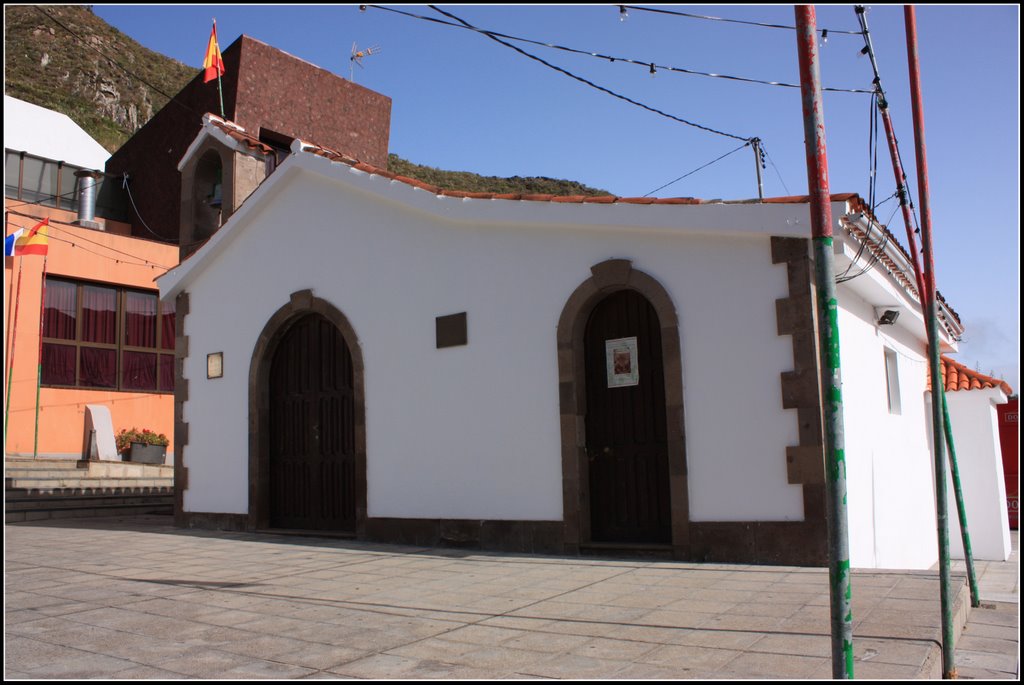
65, 58
474, 183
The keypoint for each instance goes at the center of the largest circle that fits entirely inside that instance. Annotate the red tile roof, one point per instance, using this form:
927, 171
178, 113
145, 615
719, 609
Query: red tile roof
956, 377
237, 133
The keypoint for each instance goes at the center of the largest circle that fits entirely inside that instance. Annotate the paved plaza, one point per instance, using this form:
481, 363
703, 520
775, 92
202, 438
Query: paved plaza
138, 598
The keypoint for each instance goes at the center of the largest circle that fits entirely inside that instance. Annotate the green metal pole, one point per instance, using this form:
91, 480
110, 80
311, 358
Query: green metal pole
961, 510
901, 177
828, 342
932, 318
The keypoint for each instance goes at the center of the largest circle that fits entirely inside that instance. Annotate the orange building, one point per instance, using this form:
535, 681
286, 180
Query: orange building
106, 338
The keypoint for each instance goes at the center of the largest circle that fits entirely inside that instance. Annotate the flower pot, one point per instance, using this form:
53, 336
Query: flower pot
147, 454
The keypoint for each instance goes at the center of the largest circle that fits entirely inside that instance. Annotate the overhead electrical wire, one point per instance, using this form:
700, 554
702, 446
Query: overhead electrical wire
770, 161
70, 195
592, 84
54, 225
697, 169
127, 188
879, 104
876, 256
609, 58
872, 177
825, 32
135, 76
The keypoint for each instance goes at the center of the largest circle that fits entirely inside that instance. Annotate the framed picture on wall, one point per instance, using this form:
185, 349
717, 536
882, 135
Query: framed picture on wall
621, 360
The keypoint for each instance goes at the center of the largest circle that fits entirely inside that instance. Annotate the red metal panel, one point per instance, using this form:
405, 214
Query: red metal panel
1009, 441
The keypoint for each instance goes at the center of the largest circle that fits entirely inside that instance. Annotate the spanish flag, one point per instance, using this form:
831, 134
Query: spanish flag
213, 63
35, 241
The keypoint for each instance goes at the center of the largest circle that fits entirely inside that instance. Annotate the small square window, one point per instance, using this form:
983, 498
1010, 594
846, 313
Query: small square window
451, 330
892, 381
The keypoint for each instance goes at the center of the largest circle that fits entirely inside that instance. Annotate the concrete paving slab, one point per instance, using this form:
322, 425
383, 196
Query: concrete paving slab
136, 598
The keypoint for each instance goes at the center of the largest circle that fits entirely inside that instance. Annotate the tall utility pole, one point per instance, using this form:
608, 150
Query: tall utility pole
755, 143
932, 319
904, 195
828, 342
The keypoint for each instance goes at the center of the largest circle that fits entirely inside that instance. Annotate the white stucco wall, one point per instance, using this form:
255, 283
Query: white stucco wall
891, 504
975, 422
473, 432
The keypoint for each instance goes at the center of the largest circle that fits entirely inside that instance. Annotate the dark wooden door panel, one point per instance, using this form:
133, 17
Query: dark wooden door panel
627, 446
312, 429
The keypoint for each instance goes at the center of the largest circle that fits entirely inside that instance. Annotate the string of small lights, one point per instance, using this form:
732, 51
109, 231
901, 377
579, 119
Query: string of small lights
650, 66
71, 195
623, 13
58, 225
594, 85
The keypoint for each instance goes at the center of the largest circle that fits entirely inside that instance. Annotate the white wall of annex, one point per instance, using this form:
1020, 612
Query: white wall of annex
975, 422
472, 432
891, 504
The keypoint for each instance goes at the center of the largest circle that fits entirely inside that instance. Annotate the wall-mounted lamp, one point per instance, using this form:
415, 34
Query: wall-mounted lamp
887, 317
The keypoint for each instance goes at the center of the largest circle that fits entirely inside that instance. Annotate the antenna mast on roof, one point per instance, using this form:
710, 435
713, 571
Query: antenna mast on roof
357, 58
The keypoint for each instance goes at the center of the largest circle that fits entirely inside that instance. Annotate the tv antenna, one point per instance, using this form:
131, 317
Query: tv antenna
357, 58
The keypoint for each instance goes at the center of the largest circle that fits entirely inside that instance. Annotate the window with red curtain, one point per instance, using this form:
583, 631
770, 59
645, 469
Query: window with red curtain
139, 368
60, 318
102, 336
99, 314
60, 313
140, 319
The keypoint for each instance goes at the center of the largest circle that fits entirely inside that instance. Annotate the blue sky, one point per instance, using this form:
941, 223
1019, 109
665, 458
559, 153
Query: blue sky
461, 101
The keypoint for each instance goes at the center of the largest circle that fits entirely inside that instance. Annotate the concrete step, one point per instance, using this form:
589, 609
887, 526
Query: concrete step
28, 502
51, 468
39, 489
79, 483
22, 504
22, 494
88, 511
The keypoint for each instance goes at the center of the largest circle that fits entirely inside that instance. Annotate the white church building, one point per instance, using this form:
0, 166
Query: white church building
368, 355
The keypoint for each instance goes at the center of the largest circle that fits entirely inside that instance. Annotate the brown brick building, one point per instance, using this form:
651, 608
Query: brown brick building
272, 95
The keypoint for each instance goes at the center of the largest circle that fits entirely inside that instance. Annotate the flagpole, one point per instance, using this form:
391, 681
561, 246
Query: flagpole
14, 338
39, 367
220, 88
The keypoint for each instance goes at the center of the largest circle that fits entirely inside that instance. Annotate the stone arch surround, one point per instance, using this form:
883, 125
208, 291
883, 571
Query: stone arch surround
608, 277
300, 304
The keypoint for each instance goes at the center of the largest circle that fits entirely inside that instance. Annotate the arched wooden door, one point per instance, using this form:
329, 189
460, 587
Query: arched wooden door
626, 438
312, 429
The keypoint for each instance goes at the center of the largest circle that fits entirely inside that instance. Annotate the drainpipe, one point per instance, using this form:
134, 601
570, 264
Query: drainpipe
87, 184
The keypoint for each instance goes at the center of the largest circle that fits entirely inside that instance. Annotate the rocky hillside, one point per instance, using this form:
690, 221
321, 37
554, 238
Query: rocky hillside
65, 58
